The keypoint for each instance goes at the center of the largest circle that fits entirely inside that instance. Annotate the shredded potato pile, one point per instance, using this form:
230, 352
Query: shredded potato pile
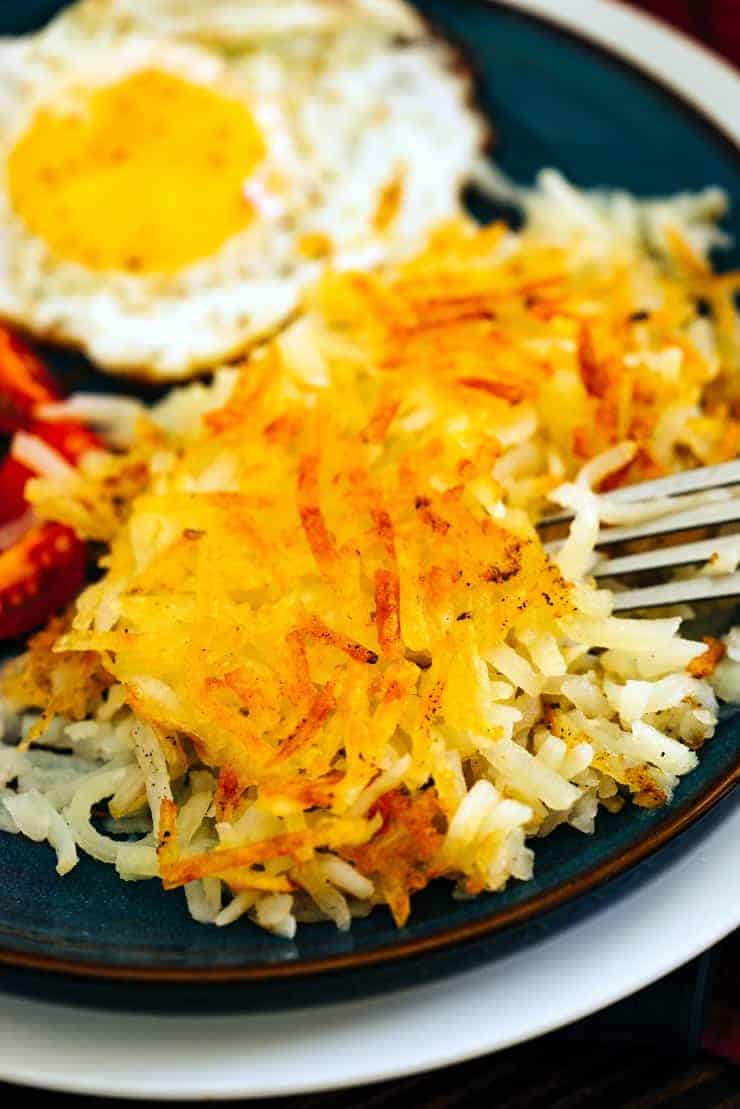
336, 661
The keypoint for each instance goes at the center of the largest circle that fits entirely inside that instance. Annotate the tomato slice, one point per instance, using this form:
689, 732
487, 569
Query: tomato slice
24, 382
67, 437
13, 478
43, 570
39, 575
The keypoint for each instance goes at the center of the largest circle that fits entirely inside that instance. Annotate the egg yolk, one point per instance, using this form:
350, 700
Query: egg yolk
147, 177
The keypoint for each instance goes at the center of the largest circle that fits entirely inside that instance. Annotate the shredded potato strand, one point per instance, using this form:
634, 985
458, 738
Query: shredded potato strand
312, 593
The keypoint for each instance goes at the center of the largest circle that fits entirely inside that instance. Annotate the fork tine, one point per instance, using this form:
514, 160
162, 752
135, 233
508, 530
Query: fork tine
719, 507
688, 481
679, 592
683, 555
722, 512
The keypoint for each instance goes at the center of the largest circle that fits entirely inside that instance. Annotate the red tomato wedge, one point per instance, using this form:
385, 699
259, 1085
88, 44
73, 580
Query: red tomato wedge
42, 571
69, 439
39, 575
13, 478
24, 382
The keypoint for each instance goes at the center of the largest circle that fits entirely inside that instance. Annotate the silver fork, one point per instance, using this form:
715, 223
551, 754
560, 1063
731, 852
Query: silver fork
708, 496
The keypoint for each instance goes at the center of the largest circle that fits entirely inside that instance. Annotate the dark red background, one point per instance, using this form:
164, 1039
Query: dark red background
714, 22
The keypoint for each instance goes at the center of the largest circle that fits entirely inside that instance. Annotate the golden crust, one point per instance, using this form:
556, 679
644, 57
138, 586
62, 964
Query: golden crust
306, 590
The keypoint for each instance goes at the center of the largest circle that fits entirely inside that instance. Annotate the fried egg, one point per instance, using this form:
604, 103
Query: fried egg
166, 192
236, 24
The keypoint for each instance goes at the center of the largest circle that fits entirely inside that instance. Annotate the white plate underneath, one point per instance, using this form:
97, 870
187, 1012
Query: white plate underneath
686, 906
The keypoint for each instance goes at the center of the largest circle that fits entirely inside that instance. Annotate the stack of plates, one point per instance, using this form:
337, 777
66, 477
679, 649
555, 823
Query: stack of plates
610, 98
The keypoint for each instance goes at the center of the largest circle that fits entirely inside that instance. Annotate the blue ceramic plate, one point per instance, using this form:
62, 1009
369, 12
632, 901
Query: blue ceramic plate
554, 100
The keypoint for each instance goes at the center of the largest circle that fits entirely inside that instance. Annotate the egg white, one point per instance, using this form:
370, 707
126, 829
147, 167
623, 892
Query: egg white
344, 115
234, 24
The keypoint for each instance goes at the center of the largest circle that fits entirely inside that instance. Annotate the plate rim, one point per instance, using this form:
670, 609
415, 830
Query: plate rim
627, 945
589, 26
685, 83
683, 818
